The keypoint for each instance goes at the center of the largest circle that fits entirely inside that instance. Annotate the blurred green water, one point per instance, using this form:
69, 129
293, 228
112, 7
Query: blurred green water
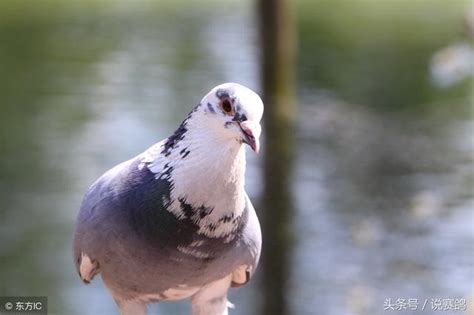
387, 154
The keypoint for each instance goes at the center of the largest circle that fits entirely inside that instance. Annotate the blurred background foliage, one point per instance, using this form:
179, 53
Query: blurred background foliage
377, 53
382, 147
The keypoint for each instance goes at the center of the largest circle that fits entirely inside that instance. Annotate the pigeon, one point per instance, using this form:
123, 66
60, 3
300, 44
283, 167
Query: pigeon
175, 221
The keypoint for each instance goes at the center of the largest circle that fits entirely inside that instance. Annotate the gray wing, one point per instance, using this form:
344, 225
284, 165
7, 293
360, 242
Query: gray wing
252, 239
122, 208
91, 217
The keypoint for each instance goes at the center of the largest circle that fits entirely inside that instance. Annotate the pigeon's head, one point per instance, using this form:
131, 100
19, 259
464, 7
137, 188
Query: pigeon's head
234, 112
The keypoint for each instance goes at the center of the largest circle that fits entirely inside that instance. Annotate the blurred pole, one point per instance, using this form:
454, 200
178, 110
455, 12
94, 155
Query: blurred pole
278, 38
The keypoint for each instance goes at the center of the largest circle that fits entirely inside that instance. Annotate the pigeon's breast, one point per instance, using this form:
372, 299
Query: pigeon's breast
143, 248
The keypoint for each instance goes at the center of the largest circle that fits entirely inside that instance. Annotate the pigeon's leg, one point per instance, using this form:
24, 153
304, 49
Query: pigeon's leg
132, 307
212, 298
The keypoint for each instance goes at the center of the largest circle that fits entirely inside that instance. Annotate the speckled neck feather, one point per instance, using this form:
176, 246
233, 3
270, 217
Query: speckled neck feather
206, 171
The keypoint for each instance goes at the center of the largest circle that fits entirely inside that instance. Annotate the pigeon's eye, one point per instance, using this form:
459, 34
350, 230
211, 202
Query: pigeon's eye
226, 106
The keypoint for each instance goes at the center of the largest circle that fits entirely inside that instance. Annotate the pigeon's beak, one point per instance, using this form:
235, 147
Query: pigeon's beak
251, 133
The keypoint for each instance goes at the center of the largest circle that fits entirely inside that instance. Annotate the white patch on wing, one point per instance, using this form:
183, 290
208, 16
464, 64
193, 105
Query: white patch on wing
177, 259
179, 293
229, 238
196, 243
171, 294
153, 158
193, 252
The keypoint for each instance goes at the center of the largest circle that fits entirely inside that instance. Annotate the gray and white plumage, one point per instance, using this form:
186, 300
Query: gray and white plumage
175, 221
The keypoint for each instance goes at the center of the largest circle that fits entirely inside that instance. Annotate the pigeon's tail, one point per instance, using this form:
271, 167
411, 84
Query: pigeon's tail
86, 267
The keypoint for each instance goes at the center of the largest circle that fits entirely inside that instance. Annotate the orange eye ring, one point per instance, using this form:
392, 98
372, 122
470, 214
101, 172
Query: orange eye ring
226, 105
